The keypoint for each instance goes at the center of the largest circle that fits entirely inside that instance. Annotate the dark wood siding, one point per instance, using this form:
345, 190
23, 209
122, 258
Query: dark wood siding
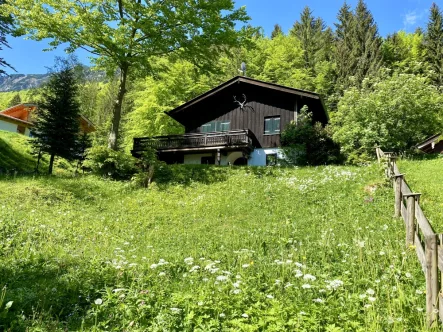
261, 103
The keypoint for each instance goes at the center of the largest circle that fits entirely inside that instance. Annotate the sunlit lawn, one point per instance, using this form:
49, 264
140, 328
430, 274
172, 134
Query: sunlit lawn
308, 249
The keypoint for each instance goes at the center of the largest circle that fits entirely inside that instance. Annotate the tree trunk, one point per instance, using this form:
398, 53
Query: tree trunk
117, 109
51, 163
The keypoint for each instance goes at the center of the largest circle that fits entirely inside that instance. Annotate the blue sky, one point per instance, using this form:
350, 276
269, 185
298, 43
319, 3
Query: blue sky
391, 15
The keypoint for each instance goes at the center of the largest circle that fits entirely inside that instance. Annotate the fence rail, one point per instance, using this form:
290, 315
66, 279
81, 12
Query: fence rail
419, 234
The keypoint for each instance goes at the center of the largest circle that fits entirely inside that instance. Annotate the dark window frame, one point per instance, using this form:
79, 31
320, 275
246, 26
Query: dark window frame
271, 159
216, 126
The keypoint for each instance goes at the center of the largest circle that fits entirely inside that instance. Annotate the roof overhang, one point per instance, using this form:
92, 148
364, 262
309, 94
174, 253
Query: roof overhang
428, 141
11, 119
246, 80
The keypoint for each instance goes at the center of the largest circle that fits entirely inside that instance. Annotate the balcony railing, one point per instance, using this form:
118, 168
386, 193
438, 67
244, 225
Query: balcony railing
233, 138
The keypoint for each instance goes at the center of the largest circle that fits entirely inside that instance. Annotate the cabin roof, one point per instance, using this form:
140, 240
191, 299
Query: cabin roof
247, 80
21, 114
10, 118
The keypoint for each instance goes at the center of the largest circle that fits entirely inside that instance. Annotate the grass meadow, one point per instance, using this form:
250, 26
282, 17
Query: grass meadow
426, 177
217, 249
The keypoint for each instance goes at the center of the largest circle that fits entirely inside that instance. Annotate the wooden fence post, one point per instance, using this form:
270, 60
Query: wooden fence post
388, 164
440, 298
410, 225
398, 179
432, 289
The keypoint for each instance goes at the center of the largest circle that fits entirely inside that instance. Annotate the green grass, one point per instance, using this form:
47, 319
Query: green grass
257, 249
15, 152
426, 177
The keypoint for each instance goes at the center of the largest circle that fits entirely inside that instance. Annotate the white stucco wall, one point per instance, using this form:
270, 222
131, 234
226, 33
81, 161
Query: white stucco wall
195, 159
27, 132
8, 126
258, 156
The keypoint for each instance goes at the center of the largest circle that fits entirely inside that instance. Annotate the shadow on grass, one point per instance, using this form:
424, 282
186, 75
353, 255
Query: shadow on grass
12, 160
53, 291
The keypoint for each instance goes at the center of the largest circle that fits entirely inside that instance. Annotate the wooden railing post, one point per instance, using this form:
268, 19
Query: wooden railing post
410, 220
432, 289
398, 179
440, 293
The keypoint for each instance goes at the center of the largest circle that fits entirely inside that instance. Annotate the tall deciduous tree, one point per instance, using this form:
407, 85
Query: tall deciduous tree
125, 34
433, 42
57, 125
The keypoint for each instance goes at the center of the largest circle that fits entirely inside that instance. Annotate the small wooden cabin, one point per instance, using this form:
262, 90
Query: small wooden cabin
19, 118
239, 122
433, 144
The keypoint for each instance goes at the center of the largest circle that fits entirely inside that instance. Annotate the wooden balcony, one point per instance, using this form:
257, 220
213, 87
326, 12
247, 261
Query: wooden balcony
230, 140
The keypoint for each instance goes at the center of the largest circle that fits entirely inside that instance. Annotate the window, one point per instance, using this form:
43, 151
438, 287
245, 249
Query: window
272, 125
271, 159
216, 126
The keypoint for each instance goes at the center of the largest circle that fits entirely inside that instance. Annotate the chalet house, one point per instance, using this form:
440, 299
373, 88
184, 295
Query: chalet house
238, 123
433, 144
19, 119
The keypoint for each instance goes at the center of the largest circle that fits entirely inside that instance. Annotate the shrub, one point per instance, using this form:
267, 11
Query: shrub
109, 163
305, 143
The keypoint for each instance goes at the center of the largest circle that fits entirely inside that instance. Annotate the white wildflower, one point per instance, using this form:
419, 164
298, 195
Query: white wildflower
309, 277
244, 315
318, 300
362, 296
236, 291
98, 301
269, 296
408, 275
161, 274
370, 291
306, 286
372, 299
222, 278
189, 260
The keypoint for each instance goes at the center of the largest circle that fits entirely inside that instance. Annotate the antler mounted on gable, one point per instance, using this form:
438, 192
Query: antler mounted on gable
242, 105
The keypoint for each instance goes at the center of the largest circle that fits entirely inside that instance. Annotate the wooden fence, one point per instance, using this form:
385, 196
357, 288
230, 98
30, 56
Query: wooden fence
419, 235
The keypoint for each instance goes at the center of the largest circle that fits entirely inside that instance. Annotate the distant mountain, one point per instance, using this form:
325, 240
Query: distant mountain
17, 82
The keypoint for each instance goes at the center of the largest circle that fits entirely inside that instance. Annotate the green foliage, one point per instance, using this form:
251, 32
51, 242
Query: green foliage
396, 113
148, 164
404, 52
425, 176
6, 25
109, 163
15, 100
358, 46
16, 153
121, 33
56, 128
433, 43
305, 143
97, 255
277, 31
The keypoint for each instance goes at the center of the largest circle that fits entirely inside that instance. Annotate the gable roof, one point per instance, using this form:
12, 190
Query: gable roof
428, 144
12, 119
247, 80
21, 114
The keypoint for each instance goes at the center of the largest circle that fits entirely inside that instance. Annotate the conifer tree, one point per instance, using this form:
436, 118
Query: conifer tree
358, 52
345, 62
367, 43
315, 39
277, 31
433, 43
57, 125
